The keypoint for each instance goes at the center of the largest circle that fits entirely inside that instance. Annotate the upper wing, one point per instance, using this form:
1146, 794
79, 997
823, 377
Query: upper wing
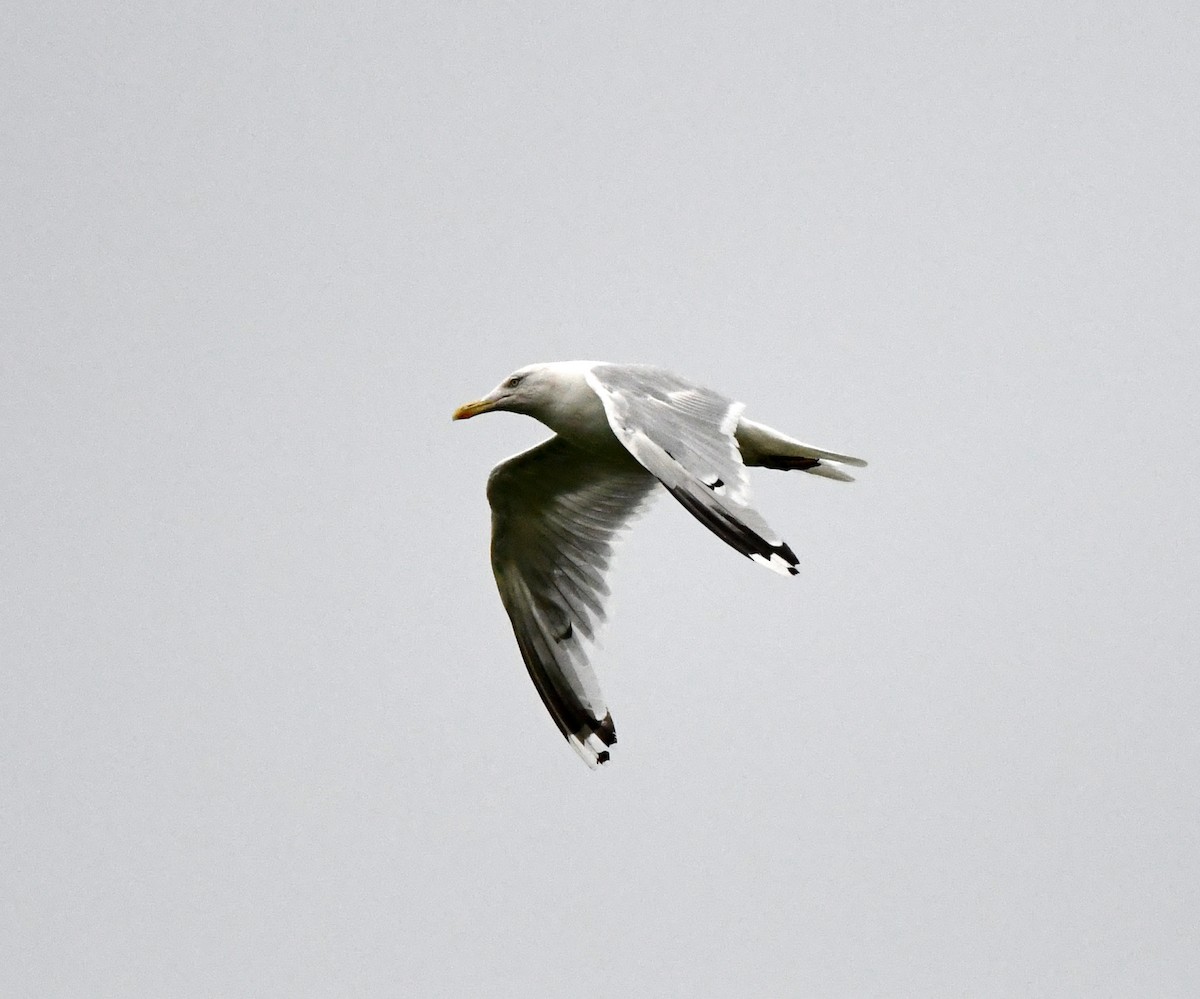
684, 435
555, 512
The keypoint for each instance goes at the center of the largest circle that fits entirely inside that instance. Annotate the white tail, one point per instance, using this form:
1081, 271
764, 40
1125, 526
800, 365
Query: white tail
760, 445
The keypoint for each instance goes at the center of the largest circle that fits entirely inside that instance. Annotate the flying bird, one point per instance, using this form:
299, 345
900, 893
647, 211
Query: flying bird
620, 432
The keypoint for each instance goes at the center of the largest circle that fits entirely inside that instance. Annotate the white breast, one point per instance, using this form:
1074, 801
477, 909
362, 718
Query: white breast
572, 409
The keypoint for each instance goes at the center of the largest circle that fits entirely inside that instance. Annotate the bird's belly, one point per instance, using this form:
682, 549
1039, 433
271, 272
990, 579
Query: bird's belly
595, 439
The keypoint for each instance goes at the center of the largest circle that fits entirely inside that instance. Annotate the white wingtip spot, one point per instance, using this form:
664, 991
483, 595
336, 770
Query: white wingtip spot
591, 748
776, 563
585, 754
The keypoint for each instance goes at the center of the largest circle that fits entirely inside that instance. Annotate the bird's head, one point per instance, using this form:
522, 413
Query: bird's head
527, 390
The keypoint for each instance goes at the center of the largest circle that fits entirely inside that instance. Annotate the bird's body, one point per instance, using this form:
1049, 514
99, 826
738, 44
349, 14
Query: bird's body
620, 432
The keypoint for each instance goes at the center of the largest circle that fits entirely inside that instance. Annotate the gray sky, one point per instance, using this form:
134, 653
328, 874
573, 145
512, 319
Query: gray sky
263, 725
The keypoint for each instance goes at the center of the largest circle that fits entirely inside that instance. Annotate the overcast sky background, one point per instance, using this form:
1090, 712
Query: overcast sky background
264, 730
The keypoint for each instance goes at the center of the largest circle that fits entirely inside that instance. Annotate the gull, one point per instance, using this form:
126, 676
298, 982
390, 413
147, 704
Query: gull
620, 432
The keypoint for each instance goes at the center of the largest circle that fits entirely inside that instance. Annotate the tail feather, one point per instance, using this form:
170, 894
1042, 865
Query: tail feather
762, 446
814, 466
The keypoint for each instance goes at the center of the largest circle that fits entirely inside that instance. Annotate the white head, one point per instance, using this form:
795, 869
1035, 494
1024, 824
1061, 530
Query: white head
557, 393
524, 391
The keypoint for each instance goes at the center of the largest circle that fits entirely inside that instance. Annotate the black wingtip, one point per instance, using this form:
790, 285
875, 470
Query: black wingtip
734, 533
788, 463
606, 732
593, 739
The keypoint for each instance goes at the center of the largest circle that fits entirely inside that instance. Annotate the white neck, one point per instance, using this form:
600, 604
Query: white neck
572, 409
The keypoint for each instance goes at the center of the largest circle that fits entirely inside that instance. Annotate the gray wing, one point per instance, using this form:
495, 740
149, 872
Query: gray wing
555, 514
684, 435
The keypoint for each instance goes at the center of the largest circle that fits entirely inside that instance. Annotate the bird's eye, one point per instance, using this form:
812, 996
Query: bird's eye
513, 382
